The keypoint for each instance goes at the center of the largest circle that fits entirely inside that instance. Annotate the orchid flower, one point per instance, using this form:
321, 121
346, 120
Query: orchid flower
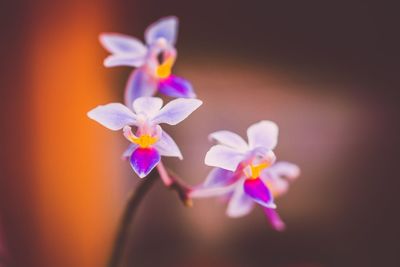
149, 142
153, 60
246, 172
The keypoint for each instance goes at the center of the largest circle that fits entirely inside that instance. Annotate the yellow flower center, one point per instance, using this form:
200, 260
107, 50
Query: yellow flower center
164, 70
254, 171
145, 141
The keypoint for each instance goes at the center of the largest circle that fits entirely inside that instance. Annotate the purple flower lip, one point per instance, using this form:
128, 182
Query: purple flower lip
143, 160
151, 141
259, 192
176, 87
246, 172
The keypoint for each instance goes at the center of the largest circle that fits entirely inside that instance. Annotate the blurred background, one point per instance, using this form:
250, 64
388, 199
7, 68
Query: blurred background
325, 71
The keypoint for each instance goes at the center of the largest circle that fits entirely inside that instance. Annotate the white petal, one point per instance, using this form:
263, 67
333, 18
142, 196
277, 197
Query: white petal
263, 134
128, 152
166, 146
276, 185
203, 192
240, 204
223, 157
114, 116
276, 177
123, 60
176, 111
285, 169
140, 83
166, 28
229, 139
149, 106
122, 44
262, 154
218, 177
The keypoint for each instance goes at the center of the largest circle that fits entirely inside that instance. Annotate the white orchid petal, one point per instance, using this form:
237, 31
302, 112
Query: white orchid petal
223, 157
263, 154
277, 185
218, 177
229, 139
117, 43
263, 134
285, 169
166, 146
203, 192
113, 116
176, 111
140, 83
240, 204
277, 177
123, 60
149, 106
166, 28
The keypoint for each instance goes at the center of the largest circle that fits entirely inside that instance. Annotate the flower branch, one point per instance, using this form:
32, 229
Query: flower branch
172, 181
125, 225
245, 172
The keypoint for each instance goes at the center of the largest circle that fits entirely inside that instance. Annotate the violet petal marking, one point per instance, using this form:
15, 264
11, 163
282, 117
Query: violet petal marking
259, 192
219, 177
274, 219
139, 84
176, 87
143, 160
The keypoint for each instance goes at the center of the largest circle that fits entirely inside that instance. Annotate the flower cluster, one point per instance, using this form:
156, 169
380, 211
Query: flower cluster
247, 172
244, 172
149, 142
153, 60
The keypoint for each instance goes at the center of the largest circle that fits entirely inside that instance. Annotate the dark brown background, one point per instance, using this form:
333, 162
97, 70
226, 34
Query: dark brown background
325, 71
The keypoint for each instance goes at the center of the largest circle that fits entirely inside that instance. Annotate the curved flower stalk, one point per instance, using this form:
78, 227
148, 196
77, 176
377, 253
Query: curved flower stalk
153, 60
148, 144
246, 173
150, 141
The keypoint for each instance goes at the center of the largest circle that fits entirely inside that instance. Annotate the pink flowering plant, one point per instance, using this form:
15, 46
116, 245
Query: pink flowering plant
245, 173
149, 142
153, 60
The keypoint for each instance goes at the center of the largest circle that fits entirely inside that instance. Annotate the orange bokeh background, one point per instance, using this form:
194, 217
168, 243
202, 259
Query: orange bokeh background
323, 79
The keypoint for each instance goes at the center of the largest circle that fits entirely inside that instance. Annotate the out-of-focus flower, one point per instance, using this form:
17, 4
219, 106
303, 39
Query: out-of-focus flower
247, 172
154, 61
149, 142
